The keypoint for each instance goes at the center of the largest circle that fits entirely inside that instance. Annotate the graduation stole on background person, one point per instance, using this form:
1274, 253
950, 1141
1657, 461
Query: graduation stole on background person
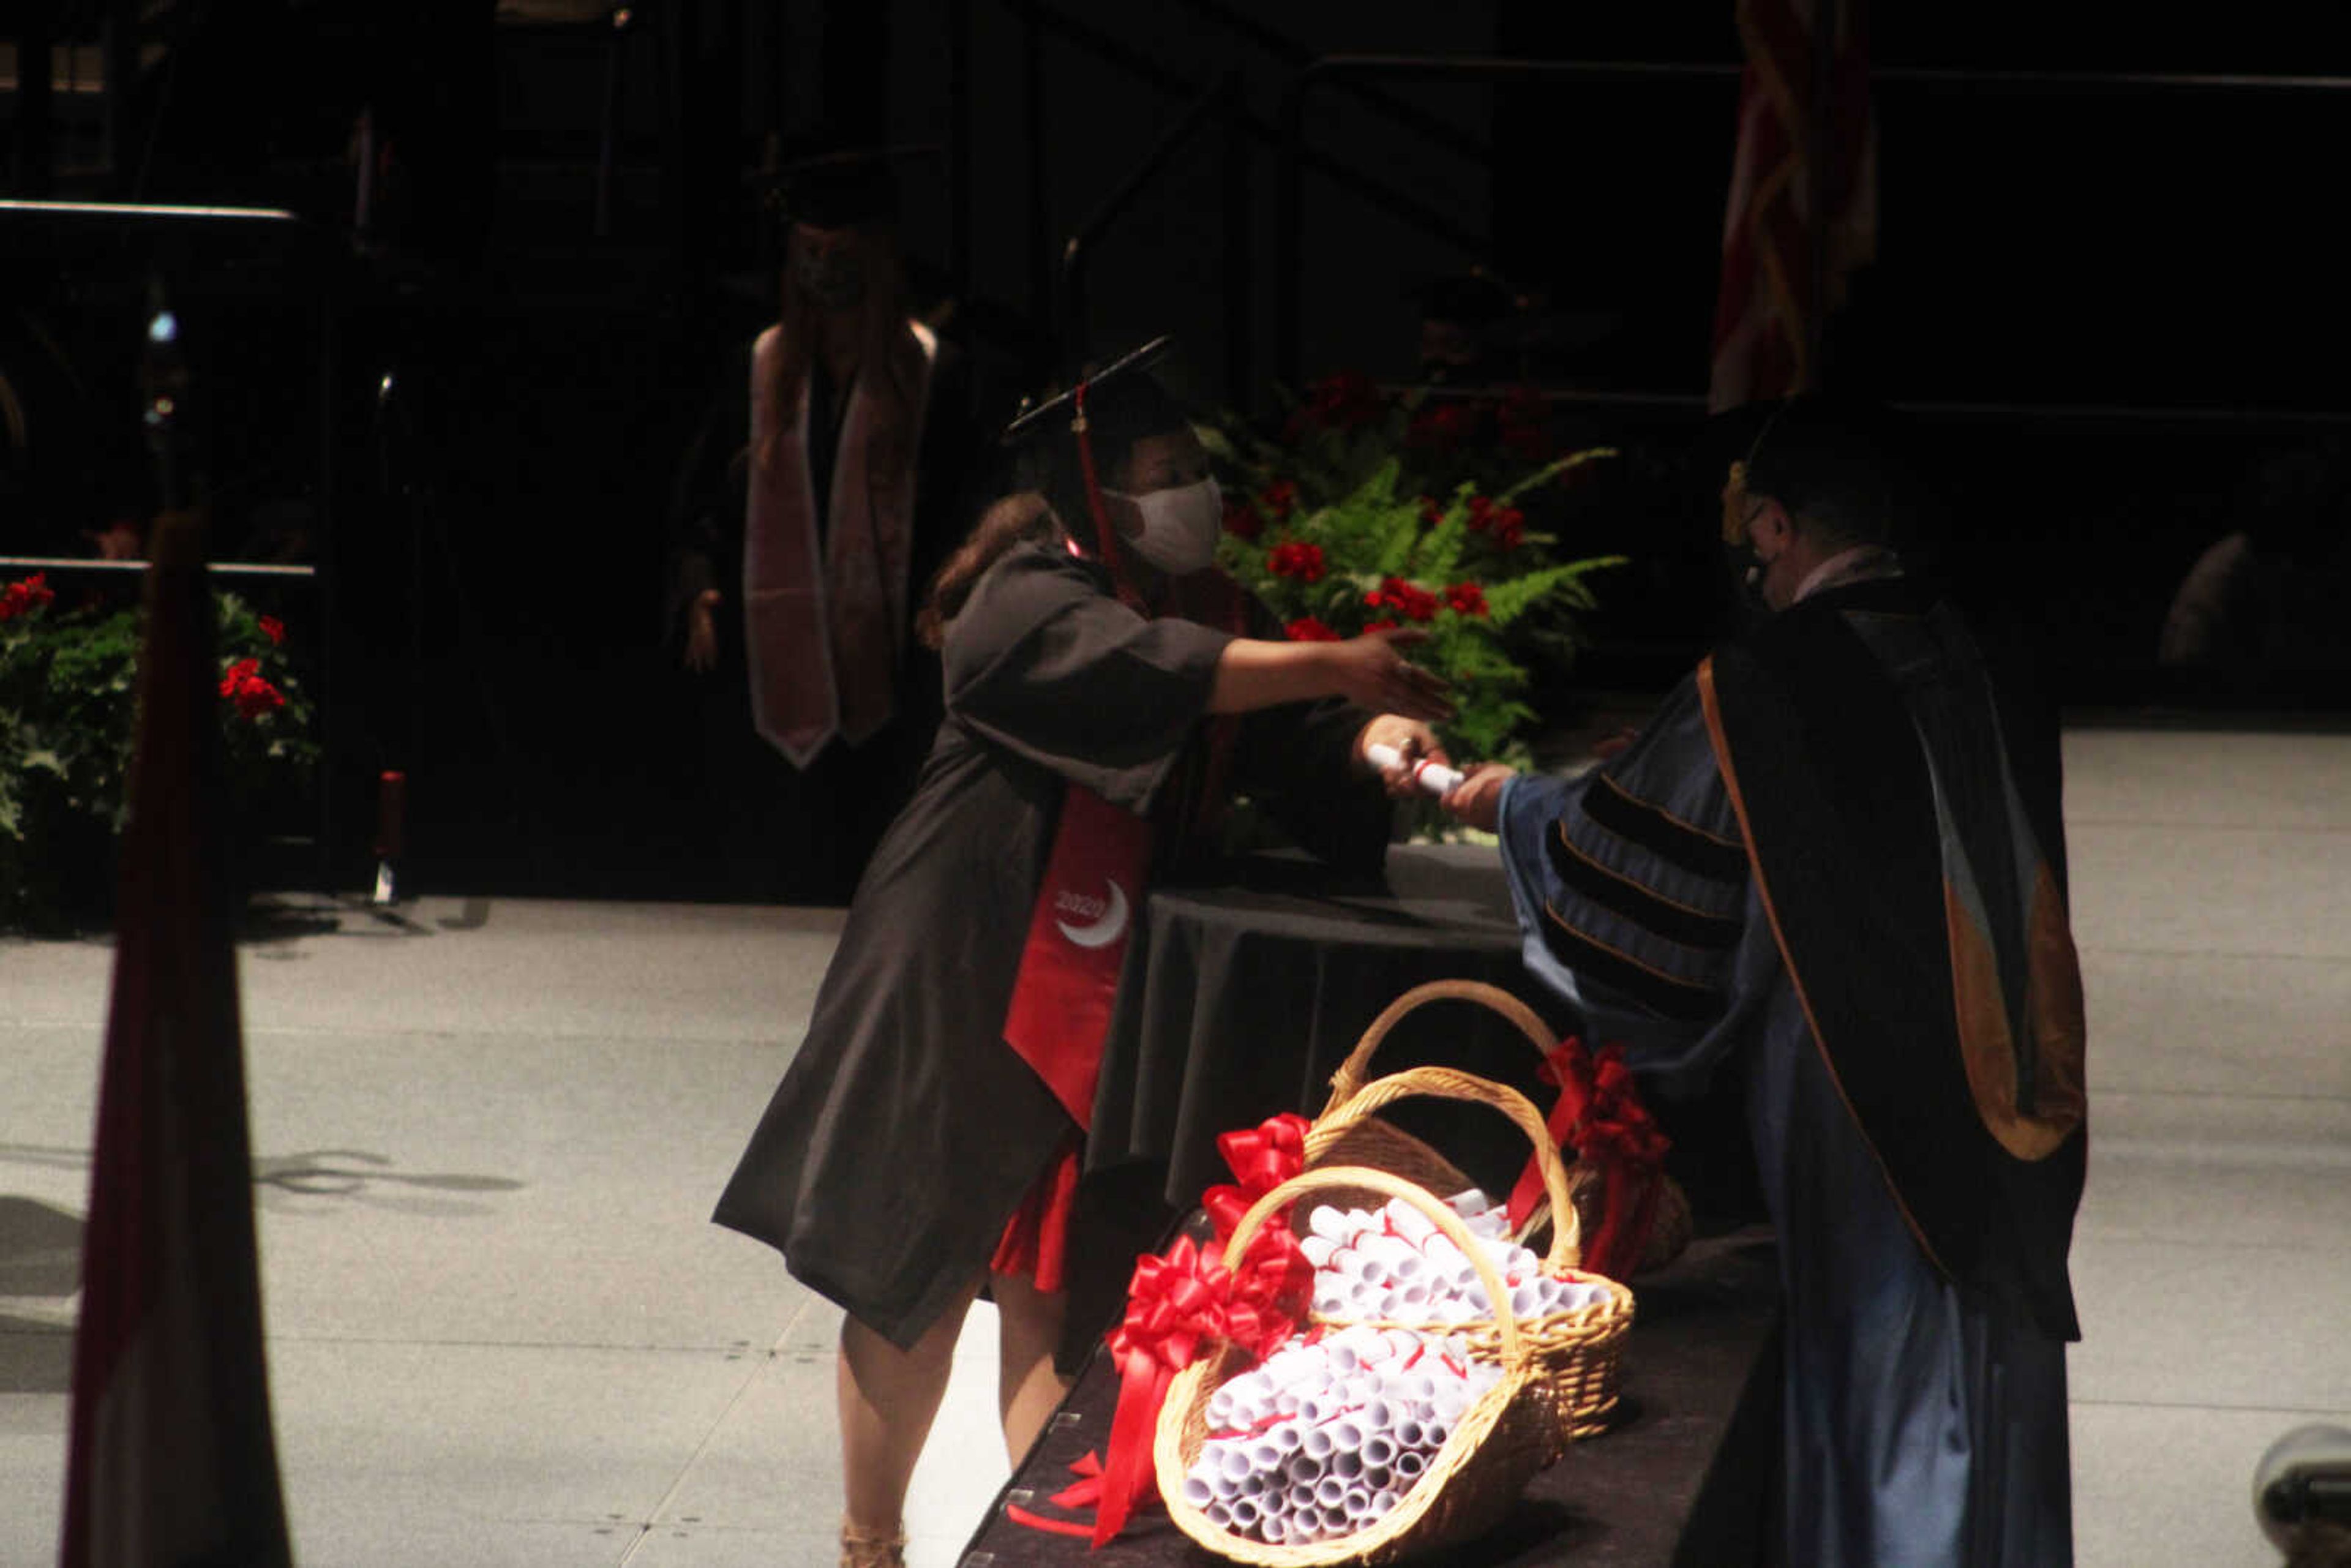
824, 623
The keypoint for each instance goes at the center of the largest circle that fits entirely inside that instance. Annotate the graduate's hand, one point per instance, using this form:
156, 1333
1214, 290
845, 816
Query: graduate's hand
1413, 741
1478, 799
1372, 672
702, 631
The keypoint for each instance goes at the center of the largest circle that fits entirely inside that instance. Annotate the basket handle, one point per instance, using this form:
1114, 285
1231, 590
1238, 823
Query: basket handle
1362, 1177
1348, 1081
1451, 1083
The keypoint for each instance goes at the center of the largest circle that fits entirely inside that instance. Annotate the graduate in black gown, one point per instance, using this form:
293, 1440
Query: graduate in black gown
824, 488
1105, 689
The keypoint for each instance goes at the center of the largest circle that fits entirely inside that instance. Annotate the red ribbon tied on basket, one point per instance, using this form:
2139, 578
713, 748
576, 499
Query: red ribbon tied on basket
1262, 1158
1179, 1307
1600, 1116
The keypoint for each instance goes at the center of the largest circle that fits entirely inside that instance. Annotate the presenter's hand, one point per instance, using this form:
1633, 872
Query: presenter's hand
1372, 672
702, 631
1478, 800
1414, 741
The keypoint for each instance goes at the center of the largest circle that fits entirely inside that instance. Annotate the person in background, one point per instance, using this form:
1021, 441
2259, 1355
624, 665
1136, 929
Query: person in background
2268, 595
819, 499
1833, 862
1107, 691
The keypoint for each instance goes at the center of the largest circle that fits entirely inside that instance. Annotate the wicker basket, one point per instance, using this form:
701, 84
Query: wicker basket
1494, 1449
1382, 1145
1578, 1353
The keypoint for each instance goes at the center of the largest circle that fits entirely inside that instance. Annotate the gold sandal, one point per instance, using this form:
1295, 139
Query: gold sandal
872, 1548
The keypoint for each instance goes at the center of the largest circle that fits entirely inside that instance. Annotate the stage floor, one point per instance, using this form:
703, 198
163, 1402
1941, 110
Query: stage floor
502, 1333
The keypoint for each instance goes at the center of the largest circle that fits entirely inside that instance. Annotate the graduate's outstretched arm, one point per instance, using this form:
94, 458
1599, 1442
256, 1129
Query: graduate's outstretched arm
1368, 671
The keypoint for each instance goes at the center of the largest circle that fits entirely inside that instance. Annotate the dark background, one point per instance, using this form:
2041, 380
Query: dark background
2101, 303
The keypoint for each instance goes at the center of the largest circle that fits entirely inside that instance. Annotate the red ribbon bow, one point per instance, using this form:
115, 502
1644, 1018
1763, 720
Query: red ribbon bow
1261, 1158
1599, 1115
1180, 1307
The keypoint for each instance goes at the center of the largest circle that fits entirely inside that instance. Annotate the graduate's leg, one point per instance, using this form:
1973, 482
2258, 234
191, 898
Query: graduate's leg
888, 1398
1028, 1388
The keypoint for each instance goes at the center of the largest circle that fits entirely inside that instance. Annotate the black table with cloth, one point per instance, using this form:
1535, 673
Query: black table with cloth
1247, 986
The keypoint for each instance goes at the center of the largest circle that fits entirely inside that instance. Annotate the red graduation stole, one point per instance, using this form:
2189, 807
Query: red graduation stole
1086, 906
1078, 933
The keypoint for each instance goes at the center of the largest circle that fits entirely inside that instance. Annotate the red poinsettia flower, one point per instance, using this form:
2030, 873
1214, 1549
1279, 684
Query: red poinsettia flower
1346, 401
1307, 628
1510, 528
255, 696
1431, 511
25, 597
1279, 501
1371, 626
1466, 597
1297, 559
237, 674
1241, 520
1482, 513
275, 630
1523, 421
1408, 600
1440, 427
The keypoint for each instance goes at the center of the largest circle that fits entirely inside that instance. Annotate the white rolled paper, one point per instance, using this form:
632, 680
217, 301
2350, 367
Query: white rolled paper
1383, 1499
1330, 1491
1410, 1464
1433, 777
1379, 1451
1302, 1471
1286, 1438
1346, 1434
1409, 1222
1317, 1251
1245, 1512
1347, 1464
1234, 1462
1219, 1515
1358, 1504
1198, 1492
1329, 1223
1317, 1444
1274, 1528
1433, 1434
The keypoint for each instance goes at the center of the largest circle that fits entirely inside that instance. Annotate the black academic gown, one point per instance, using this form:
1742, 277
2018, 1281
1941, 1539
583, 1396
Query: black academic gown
905, 1132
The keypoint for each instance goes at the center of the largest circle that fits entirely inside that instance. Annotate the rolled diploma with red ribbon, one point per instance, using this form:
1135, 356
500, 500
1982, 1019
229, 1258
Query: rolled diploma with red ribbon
1435, 778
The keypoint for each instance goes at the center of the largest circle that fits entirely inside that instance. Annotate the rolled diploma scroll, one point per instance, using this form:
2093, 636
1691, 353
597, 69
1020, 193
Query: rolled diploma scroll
1429, 775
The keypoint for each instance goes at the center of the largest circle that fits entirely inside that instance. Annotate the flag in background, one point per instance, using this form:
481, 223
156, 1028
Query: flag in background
171, 1459
1787, 252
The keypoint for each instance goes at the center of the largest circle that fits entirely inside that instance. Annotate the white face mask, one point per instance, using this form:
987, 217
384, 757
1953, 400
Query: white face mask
1179, 525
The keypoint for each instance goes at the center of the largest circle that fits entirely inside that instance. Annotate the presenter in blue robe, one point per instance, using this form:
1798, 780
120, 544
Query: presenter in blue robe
1834, 863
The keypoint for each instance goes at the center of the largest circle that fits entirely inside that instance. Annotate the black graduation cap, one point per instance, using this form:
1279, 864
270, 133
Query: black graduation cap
1123, 384
839, 187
